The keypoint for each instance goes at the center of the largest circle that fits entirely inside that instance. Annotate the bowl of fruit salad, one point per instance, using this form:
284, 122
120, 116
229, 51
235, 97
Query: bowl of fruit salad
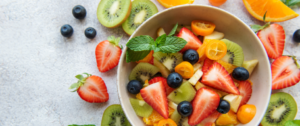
194, 65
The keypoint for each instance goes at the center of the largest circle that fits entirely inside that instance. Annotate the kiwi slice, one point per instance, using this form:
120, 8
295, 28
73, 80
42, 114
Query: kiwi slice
141, 10
141, 108
235, 54
282, 107
112, 13
114, 116
176, 117
142, 72
169, 60
185, 92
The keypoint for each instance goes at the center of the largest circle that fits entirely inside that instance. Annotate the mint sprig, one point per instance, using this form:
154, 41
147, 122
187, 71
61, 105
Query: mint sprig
135, 55
257, 28
173, 30
140, 43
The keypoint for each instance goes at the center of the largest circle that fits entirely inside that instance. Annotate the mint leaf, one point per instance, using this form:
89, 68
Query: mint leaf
82, 125
160, 39
132, 56
140, 43
173, 30
172, 44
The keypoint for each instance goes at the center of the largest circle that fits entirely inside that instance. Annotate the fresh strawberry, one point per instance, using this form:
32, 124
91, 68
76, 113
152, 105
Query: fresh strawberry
91, 88
210, 120
155, 95
205, 103
108, 54
164, 81
273, 39
193, 42
245, 89
285, 72
206, 64
217, 77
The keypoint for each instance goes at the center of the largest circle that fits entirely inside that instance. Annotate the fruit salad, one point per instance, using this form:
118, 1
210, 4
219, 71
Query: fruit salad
183, 80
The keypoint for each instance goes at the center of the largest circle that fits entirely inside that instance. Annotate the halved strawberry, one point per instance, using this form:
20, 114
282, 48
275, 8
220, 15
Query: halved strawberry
108, 54
164, 81
210, 120
155, 96
193, 42
273, 39
285, 72
91, 88
205, 103
245, 89
217, 77
206, 64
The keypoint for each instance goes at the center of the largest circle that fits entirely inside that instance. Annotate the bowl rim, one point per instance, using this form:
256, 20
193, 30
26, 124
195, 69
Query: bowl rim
183, 6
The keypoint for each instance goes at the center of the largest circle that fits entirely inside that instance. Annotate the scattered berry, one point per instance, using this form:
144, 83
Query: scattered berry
296, 36
66, 30
191, 56
185, 108
223, 107
90, 32
240, 73
79, 12
134, 87
174, 80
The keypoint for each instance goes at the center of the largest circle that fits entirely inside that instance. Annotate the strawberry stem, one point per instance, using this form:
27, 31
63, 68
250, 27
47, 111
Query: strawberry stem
80, 82
115, 41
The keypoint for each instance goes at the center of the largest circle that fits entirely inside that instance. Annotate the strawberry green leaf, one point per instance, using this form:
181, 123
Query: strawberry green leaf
291, 2
132, 56
172, 44
113, 40
173, 30
74, 86
264, 18
79, 76
140, 43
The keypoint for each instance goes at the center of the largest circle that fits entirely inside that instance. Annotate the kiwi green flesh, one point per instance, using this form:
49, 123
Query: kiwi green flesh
184, 122
141, 10
185, 92
282, 107
141, 108
112, 13
235, 54
142, 72
169, 60
175, 117
114, 116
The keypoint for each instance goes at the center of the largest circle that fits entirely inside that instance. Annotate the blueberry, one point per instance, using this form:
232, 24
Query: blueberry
174, 80
223, 107
191, 56
66, 30
79, 12
90, 32
296, 36
185, 108
134, 87
240, 73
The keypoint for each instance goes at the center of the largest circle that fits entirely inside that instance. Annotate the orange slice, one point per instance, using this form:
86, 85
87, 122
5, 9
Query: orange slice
172, 3
276, 10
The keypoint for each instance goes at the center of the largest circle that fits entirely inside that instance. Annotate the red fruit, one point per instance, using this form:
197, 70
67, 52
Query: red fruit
205, 103
91, 89
245, 89
108, 54
273, 39
206, 64
164, 81
155, 96
193, 42
151, 61
209, 121
285, 72
218, 77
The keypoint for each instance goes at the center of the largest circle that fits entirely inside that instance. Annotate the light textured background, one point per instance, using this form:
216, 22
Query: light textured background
37, 64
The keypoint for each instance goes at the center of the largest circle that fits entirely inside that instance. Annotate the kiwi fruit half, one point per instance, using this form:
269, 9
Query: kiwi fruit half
114, 116
112, 13
282, 107
142, 72
169, 60
235, 54
141, 10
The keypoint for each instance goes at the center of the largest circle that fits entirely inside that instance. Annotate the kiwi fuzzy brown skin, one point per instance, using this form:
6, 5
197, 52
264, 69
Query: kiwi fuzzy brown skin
112, 113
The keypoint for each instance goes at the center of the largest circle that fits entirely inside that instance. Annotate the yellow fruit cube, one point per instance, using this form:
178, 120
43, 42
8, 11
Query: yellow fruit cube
229, 67
139, 96
227, 119
171, 110
147, 121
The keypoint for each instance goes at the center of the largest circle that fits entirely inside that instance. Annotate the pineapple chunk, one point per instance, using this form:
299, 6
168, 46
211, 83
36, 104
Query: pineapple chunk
234, 101
250, 65
160, 31
194, 79
214, 35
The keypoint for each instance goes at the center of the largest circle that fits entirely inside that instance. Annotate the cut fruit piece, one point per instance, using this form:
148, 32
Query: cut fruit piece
206, 64
175, 116
215, 50
185, 92
141, 108
245, 89
185, 69
214, 35
246, 113
197, 66
143, 72
229, 67
169, 60
171, 110
227, 119
139, 96
162, 69
164, 81
193, 42
141, 10
194, 79
234, 55
111, 14
234, 101
155, 117
113, 115
160, 32
200, 85
172, 3
172, 105
210, 120
250, 65
282, 107
166, 122
184, 122
201, 51
203, 28
276, 10
147, 59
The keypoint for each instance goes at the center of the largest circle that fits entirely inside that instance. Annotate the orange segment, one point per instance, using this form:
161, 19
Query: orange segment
167, 122
185, 69
229, 67
171, 3
227, 119
276, 10
216, 50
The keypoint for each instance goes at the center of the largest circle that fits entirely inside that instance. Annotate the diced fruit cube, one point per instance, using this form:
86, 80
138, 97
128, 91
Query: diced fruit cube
227, 119
185, 92
250, 65
199, 85
141, 108
197, 66
162, 69
234, 101
139, 96
229, 67
214, 35
194, 79
160, 31
172, 105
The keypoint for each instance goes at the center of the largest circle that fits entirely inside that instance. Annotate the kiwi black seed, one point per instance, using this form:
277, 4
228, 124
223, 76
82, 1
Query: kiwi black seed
282, 107
114, 116
112, 13
142, 72
169, 60
234, 53
141, 10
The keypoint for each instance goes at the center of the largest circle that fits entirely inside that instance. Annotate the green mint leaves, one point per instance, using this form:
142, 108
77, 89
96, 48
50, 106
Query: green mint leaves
140, 46
291, 2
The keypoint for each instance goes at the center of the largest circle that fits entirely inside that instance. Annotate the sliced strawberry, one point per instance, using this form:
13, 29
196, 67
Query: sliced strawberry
155, 96
245, 89
218, 77
205, 103
209, 121
285, 72
151, 61
207, 63
164, 81
273, 39
108, 54
193, 42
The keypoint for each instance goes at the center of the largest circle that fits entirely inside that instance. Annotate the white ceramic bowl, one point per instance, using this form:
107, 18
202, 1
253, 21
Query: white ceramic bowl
233, 28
